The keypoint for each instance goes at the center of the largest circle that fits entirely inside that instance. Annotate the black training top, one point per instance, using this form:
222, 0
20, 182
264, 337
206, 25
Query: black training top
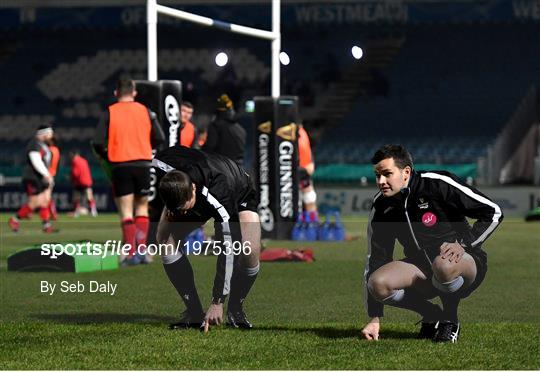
433, 209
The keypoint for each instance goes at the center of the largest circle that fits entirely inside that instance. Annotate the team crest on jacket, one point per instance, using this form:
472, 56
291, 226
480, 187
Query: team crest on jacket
429, 219
422, 205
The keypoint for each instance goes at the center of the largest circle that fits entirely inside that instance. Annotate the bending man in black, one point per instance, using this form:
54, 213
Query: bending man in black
196, 186
427, 213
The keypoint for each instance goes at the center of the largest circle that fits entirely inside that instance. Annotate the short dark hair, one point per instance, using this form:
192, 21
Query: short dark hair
187, 104
175, 189
124, 86
402, 157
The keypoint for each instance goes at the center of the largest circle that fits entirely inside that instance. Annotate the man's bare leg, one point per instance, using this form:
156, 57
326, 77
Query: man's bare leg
91, 201
403, 285
25, 212
44, 212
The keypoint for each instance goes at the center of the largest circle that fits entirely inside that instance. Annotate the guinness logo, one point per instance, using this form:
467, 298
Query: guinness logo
265, 127
288, 132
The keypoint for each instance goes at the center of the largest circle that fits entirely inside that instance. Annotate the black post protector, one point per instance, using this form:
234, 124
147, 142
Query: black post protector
276, 164
164, 98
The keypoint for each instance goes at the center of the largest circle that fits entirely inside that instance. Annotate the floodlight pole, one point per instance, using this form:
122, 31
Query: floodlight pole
152, 10
151, 19
276, 47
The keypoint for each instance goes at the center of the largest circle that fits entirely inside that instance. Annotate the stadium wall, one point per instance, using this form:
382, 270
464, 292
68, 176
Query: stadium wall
514, 201
12, 197
300, 13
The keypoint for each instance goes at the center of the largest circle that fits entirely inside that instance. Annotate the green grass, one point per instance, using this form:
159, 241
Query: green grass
308, 316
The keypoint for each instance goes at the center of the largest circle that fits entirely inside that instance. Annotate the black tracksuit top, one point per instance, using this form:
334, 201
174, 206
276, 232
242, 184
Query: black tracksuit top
433, 209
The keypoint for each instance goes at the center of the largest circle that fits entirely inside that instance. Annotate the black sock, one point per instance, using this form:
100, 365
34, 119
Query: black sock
181, 276
241, 282
450, 306
413, 301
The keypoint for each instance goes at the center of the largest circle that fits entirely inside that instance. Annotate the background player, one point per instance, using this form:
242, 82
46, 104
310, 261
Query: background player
426, 212
81, 180
36, 180
196, 186
125, 135
188, 133
306, 170
53, 169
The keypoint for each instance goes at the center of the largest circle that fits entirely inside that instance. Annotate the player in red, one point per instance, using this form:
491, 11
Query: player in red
81, 180
306, 169
188, 133
36, 180
53, 169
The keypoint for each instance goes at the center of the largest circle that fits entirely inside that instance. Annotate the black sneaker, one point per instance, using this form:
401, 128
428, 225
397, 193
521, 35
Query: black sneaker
428, 330
238, 319
188, 320
447, 332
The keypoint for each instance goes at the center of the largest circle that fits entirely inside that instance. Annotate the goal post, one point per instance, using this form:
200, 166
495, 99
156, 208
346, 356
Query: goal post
153, 9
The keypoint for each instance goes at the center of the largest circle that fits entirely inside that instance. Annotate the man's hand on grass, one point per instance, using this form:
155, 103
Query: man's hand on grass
371, 330
214, 316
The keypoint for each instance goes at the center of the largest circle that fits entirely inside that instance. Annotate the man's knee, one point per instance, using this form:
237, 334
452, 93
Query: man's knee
249, 217
171, 257
444, 269
378, 287
309, 196
141, 200
446, 276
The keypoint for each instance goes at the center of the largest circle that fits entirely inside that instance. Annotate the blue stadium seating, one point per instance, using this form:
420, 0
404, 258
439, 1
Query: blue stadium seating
447, 100
448, 95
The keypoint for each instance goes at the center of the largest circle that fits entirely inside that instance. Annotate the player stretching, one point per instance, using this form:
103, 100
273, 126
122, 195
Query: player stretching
427, 213
36, 180
196, 186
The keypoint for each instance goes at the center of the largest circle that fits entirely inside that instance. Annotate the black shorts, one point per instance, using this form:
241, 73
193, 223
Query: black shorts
35, 187
480, 259
304, 177
131, 180
81, 188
